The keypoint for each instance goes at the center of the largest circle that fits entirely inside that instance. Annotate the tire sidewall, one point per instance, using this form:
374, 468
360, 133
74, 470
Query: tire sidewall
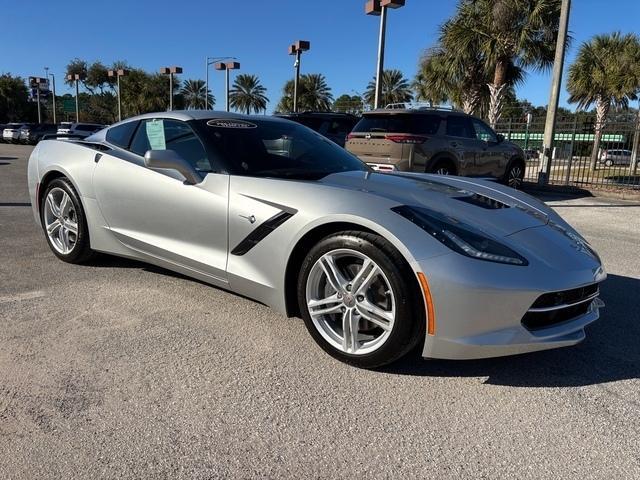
81, 248
409, 312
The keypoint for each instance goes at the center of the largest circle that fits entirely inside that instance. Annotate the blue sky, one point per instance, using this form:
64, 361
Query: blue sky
150, 34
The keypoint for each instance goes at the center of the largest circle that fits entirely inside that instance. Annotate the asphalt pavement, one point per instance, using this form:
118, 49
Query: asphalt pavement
117, 369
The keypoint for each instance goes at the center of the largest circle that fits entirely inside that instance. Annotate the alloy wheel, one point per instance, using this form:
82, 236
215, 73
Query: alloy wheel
61, 221
350, 301
515, 177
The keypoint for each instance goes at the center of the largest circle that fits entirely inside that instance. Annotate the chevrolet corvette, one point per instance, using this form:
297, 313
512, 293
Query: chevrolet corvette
376, 264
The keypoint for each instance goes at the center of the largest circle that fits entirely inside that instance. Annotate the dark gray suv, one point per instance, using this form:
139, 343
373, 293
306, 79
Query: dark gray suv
435, 141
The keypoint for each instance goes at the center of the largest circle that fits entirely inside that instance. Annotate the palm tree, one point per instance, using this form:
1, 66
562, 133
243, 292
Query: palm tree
248, 94
606, 73
507, 33
313, 94
395, 89
194, 94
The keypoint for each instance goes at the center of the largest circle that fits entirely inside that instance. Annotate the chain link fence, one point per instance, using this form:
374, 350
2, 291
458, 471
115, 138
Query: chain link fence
614, 164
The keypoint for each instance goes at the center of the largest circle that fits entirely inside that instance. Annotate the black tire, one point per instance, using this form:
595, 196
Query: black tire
514, 174
443, 166
81, 251
409, 325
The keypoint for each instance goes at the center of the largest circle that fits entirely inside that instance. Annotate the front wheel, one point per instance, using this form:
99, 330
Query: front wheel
358, 300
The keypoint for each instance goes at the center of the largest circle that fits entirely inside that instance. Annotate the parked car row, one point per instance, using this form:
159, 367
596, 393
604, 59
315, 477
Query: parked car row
32, 133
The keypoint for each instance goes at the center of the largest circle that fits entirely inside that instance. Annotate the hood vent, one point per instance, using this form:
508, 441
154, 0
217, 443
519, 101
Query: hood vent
483, 201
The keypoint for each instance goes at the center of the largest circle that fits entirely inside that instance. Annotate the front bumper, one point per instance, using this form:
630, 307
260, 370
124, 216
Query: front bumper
479, 307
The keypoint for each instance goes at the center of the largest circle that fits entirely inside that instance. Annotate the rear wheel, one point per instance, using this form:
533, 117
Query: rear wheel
609, 163
514, 176
357, 299
443, 167
64, 222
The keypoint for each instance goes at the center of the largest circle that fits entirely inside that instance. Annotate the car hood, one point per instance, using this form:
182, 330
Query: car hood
493, 208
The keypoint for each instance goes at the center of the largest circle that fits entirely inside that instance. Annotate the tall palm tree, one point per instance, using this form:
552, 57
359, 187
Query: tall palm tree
395, 89
313, 94
508, 33
194, 94
606, 73
248, 94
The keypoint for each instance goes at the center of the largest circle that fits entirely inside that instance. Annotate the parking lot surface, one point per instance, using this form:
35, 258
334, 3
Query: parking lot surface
117, 369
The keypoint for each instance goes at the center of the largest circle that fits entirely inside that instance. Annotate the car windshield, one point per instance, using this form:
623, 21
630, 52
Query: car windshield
276, 148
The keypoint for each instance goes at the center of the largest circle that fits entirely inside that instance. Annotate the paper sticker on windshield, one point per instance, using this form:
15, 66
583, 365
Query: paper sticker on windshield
230, 123
155, 134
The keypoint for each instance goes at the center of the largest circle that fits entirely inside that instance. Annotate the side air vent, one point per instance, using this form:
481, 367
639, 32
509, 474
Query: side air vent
483, 201
257, 235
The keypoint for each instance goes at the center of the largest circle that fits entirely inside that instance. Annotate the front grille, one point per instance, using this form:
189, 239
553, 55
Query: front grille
557, 307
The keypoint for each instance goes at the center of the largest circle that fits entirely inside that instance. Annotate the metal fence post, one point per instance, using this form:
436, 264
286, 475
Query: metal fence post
634, 149
509, 130
573, 138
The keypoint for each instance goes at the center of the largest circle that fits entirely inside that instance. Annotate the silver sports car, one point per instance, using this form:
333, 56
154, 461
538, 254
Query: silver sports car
376, 264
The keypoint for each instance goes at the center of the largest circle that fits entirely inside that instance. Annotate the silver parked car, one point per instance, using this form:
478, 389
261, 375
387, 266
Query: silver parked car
615, 157
376, 264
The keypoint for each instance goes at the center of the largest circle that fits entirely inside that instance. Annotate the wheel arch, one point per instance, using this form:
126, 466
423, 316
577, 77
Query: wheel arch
52, 174
443, 156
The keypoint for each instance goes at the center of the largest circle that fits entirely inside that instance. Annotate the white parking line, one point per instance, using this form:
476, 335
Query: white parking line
22, 296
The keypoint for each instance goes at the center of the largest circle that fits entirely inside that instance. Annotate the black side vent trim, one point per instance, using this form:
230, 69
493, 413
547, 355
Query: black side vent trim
483, 202
257, 235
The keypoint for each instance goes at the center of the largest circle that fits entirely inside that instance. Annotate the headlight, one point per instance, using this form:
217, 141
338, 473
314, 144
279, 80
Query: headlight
461, 238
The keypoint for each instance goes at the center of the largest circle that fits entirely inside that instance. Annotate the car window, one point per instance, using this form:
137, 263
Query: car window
424, 124
483, 132
120, 135
269, 148
164, 134
458, 126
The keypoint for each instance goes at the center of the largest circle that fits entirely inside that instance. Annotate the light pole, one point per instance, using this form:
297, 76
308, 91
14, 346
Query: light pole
211, 61
53, 91
379, 8
119, 73
171, 71
556, 80
297, 49
37, 81
76, 78
226, 67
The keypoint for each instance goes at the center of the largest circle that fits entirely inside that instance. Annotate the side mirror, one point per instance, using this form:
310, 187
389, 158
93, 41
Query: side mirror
170, 159
500, 138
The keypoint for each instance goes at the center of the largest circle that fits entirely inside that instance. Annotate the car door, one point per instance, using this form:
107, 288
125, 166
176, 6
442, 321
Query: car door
154, 212
461, 141
491, 156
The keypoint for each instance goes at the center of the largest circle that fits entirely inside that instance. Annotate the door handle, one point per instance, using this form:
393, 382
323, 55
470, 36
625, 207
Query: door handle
453, 144
97, 157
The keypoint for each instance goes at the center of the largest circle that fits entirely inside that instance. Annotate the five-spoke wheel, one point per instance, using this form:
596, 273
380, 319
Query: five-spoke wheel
360, 300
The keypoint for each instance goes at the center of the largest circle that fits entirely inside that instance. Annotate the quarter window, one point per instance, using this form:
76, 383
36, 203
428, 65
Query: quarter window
120, 135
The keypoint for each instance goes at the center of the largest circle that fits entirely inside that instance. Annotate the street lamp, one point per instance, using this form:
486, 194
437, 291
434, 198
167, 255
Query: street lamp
226, 67
211, 61
35, 82
171, 71
379, 8
53, 84
119, 73
297, 49
76, 78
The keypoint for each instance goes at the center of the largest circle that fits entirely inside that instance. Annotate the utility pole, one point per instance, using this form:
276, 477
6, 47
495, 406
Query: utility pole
76, 78
226, 66
556, 80
53, 91
119, 73
211, 61
171, 71
380, 7
297, 49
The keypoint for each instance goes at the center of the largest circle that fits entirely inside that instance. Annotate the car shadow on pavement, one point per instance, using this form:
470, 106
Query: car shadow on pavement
611, 351
8, 158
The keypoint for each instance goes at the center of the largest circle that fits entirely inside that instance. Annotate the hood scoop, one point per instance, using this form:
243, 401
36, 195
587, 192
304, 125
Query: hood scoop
482, 201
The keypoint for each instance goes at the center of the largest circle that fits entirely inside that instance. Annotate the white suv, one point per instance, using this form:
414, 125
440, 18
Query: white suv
79, 129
